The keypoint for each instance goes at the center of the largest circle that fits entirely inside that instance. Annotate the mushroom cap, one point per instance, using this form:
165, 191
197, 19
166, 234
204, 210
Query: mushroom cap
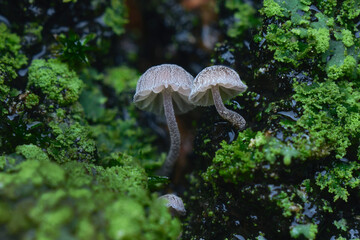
158, 78
226, 78
174, 203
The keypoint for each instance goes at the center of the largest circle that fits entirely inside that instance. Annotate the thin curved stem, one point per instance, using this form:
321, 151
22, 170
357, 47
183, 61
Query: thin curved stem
175, 141
236, 119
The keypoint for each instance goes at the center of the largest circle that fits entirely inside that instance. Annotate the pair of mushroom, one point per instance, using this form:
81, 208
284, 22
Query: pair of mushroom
169, 89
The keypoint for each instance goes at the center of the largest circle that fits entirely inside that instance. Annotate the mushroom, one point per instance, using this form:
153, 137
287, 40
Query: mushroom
174, 204
216, 84
164, 89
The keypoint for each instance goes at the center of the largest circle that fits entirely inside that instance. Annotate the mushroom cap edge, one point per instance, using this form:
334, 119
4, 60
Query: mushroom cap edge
158, 78
227, 79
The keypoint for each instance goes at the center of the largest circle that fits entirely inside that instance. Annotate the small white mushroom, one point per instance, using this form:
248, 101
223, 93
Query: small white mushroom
216, 84
175, 204
164, 89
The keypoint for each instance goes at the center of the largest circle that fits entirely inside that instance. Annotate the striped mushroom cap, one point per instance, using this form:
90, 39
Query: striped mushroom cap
155, 80
226, 78
174, 203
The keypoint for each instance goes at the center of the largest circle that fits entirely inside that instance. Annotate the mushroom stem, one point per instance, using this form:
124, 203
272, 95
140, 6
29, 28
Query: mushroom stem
236, 119
175, 141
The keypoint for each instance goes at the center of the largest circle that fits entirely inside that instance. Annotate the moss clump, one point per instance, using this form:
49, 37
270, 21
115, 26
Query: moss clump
295, 34
339, 179
45, 198
121, 78
116, 16
251, 152
271, 9
244, 18
309, 231
31, 152
71, 142
321, 37
342, 67
11, 59
31, 100
347, 38
330, 114
55, 81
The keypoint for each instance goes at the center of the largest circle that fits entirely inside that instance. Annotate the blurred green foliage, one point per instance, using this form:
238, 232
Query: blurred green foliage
244, 18
79, 200
121, 78
116, 16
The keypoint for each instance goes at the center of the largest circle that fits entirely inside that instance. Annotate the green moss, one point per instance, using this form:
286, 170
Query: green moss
31, 100
45, 199
32, 152
347, 38
71, 141
271, 8
347, 66
34, 30
244, 18
127, 137
116, 16
55, 81
121, 78
341, 224
295, 37
321, 37
238, 161
339, 179
330, 113
285, 202
11, 59
308, 231
350, 10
